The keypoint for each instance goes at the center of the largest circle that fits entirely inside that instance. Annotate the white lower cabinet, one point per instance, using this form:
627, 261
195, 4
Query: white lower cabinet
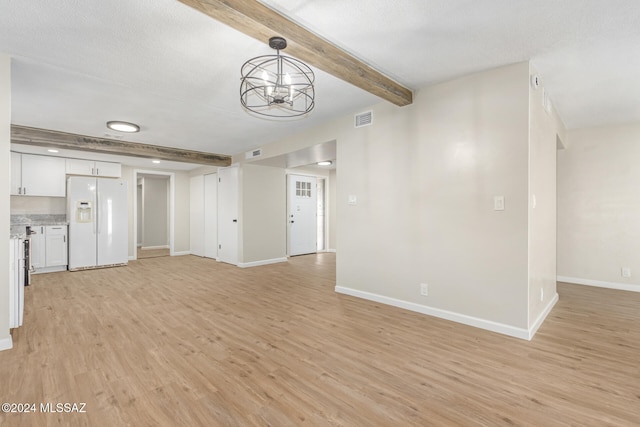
38, 247
49, 248
56, 246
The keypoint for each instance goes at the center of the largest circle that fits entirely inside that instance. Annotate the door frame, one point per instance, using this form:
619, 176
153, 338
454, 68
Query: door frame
171, 212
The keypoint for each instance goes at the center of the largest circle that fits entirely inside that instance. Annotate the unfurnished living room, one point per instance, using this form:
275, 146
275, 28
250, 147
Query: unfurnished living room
290, 213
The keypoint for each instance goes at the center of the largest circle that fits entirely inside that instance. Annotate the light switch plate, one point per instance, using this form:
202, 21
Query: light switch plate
353, 200
498, 203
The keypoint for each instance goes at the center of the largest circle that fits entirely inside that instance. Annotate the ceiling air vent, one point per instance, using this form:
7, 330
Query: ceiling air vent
364, 119
253, 153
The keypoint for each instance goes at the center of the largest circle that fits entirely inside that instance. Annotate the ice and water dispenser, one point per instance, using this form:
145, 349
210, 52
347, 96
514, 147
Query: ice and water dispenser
84, 211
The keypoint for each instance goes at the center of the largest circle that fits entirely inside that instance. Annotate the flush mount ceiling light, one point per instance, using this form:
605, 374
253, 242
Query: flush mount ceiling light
123, 126
325, 163
276, 85
155, 161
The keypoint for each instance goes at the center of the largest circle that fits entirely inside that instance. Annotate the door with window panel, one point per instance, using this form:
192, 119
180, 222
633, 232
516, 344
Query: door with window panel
302, 214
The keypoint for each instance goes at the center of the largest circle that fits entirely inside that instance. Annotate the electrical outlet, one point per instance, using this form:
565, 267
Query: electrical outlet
626, 272
424, 289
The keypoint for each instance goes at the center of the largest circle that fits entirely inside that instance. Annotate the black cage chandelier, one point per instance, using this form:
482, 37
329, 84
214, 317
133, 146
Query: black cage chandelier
277, 85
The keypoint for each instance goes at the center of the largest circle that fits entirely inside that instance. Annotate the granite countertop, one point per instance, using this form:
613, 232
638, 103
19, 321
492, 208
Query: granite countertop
39, 219
19, 222
17, 231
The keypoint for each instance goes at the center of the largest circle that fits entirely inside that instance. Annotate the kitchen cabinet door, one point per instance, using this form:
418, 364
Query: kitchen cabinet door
56, 245
16, 173
79, 167
38, 247
91, 168
43, 176
108, 169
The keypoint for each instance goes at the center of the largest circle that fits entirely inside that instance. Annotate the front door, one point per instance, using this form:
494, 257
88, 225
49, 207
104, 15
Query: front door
301, 214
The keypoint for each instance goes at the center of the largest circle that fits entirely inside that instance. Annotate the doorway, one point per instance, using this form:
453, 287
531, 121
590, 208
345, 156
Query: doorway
153, 209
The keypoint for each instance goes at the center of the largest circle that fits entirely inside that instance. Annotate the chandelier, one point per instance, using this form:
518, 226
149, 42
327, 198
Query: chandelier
277, 85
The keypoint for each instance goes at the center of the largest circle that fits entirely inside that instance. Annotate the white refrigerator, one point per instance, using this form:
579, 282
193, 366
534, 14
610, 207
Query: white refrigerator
98, 214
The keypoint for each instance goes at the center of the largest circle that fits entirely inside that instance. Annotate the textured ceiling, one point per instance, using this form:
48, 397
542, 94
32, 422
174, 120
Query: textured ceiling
175, 71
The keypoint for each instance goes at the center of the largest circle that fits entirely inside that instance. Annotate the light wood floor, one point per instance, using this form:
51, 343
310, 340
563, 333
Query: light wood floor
189, 341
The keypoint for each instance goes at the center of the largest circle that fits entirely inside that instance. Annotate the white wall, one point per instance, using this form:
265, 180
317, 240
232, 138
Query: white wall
196, 215
544, 126
263, 214
425, 177
599, 206
332, 188
5, 181
182, 230
140, 211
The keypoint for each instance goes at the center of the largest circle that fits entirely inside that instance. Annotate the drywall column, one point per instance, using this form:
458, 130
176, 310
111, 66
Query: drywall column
416, 202
5, 166
263, 215
543, 128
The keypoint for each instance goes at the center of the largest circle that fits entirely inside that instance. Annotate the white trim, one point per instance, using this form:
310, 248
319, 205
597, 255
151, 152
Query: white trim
6, 344
610, 285
331, 250
542, 316
181, 253
489, 325
262, 262
132, 258
155, 247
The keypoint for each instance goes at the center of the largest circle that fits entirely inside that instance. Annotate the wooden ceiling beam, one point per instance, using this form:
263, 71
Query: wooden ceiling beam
260, 22
69, 141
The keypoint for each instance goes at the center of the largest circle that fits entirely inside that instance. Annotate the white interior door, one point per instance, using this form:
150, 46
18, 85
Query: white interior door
196, 224
301, 214
228, 215
211, 215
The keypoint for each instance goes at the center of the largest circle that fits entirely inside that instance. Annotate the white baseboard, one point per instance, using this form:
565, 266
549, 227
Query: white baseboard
536, 325
261, 262
181, 253
489, 325
132, 258
50, 269
610, 285
154, 247
331, 250
6, 343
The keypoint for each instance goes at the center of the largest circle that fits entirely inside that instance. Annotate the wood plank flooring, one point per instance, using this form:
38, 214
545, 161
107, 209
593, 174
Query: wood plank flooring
189, 341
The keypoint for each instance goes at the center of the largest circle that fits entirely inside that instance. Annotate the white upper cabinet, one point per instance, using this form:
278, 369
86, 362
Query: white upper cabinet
91, 168
39, 175
108, 169
16, 173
